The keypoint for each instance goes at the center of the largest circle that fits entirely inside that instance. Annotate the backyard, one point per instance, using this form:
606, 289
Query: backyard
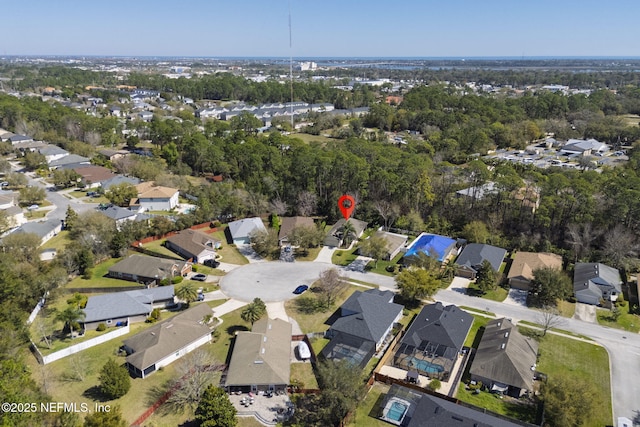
98, 278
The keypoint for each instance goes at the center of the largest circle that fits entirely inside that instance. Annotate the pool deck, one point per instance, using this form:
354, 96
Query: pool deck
447, 387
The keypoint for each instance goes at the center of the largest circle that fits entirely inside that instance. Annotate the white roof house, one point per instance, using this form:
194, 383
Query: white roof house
241, 229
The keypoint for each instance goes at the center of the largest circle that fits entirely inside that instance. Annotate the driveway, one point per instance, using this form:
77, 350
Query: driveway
586, 313
516, 297
459, 284
325, 254
250, 254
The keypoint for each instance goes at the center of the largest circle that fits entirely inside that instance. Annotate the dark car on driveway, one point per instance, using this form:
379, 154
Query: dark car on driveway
211, 263
199, 277
300, 289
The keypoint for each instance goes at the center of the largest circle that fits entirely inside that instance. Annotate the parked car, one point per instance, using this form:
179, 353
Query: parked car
211, 263
199, 277
200, 296
300, 289
33, 207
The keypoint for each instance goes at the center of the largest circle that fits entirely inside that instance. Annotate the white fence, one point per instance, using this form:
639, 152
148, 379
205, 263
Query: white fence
76, 348
35, 311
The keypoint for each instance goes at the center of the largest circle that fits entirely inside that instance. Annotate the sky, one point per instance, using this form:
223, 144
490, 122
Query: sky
321, 28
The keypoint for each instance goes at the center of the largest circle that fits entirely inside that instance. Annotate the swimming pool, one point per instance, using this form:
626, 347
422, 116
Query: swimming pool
432, 245
395, 410
424, 366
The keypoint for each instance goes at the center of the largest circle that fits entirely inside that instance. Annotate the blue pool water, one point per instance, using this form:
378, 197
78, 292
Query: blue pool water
396, 411
424, 366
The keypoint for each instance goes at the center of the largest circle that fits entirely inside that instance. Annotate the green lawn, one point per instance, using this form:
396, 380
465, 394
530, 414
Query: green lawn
35, 214
312, 254
343, 257
76, 194
566, 308
157, 246
229, 253
589, 362
627, 321
316, 322
303, 374
57, 242
498, 294
471, 309
231, 323
98, 280
369, 409
305, 137
472, 338
492, 402
380, 268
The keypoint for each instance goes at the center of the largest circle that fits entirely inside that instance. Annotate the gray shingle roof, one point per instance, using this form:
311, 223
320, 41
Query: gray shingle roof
367, 315
167, 337
593, 278
119, 179
122, 304
243, 227
147, 266
505, 356
117, 213
475, 253
438, 324
70, 159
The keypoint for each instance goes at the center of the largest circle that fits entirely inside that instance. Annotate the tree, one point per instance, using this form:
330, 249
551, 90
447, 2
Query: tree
253, 311
114, 380
567, 400
70, 218
121, 194
331, 284
549, 318
34, 160
580, 237
487, 277
194, 376
245, 121
306, 237
16, 179
307, 203
416, 284
476, 232
341, 388
265, 242
348, 233
548, 286
31, 195
215, 409
65, 178
110, 418
187, 292
23, 247
434, 385
70, 316
44, 329
620, 247
374, 247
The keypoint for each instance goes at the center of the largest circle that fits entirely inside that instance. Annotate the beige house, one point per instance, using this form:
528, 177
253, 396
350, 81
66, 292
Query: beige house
194, 245
155, 197
525, 263
261, 358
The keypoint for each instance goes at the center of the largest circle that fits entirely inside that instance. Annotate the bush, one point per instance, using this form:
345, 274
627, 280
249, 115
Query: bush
154, 316
114, 380
88, 272
215, 224
476, 386
164, 282
101, 327
177, 280
309, 305
194, 268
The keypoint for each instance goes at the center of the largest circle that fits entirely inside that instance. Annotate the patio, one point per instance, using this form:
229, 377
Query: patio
267, 410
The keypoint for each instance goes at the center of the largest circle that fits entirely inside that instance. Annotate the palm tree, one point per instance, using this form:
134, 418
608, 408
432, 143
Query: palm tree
187, 293
252, 313
69, 316
348, 233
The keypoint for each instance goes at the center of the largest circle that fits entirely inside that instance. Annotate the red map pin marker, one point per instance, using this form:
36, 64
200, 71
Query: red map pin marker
346, 204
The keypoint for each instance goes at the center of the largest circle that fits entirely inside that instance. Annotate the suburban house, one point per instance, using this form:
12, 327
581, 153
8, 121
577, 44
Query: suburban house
148, 269
112, 155
395, 243
505, 360
474, 254
120, 215
119, 179
288, 223
241, 229
583, 147
525, 263
118, 308
68, 162
155, 197
93, 176
433, 245
405, 407
593, 282
167, 341
529, 195
193, 245
14, 214
46, 230
261, 358
433, 341
335, 236
365, 320
52, 152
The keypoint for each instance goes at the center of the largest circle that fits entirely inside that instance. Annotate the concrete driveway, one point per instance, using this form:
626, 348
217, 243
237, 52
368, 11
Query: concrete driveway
586, 313
459, 284
516, 297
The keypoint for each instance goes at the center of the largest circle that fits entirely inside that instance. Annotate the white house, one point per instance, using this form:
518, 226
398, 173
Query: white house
241, 229
156, 198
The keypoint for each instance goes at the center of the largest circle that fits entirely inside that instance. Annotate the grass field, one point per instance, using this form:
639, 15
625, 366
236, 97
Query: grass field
97, 278
305, 137
57, 242
627, 321
492, 402
312, 254
472, 338
566, 308
302, 373
35, 214
343, 258
157, 246
369, 409
498, 294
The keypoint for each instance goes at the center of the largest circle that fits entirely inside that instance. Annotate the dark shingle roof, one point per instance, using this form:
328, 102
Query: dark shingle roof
438, 324
475, 253
367, 315
505, 356
595, 274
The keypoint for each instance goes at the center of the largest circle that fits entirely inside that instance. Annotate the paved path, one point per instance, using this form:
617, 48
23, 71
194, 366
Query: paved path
516, 297
325, 255
276, 310
228, 307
